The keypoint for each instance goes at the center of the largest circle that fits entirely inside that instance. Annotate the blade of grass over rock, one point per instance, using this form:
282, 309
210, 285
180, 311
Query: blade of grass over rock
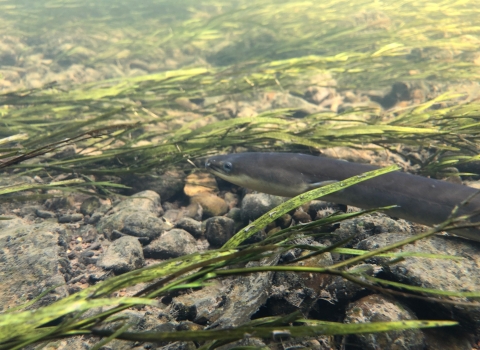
329, 328
16, 324
286, 234
350, 251
274, 214
439, 228
361, 281
64, 185
380, 281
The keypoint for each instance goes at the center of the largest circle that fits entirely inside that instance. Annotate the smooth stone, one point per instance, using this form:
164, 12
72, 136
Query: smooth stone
44, 214
145, 201
193, 227
256, 204
211, 204
68, 218
198, 183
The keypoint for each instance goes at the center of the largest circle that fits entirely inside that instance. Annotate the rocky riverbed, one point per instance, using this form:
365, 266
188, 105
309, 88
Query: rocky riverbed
69, 242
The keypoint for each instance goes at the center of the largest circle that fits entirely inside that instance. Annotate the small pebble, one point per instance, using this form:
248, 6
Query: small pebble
70, 218
45, 214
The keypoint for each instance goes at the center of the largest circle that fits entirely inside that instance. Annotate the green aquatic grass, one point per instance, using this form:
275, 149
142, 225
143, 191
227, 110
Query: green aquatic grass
229, 52
379, 45
20, 328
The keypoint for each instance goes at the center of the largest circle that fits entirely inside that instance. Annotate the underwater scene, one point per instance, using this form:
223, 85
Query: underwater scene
269, 174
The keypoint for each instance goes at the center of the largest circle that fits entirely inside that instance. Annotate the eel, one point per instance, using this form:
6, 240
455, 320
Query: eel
419, 199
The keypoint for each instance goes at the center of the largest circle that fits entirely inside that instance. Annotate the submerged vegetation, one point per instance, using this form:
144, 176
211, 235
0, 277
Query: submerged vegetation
363, 45
169, 114
19, 329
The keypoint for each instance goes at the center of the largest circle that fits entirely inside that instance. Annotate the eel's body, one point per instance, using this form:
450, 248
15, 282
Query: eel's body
419, 199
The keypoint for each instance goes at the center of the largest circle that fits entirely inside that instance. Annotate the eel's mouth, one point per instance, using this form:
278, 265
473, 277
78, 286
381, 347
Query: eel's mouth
213, 166
219, 166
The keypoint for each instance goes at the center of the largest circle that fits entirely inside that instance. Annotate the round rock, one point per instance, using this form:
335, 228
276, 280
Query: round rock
137, 224
200, 183
218, 230
211, 204
89, 205
193, 227
68, 218
171, 244
145, 201
257, 204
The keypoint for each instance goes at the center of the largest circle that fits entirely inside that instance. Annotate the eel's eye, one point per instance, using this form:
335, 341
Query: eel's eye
227, 166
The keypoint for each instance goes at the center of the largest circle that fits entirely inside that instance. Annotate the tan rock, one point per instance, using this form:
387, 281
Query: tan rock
211, 204
197, 183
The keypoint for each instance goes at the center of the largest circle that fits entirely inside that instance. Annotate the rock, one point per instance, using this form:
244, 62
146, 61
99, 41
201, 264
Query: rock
316, 206
444, 274
68, 218
194, 211
65, 152
231, 199
173, 215
342, 291
211, 204
95, 218
32, 260
292, 291
370, 225
200, 306
27, 210
198, 183
255, 205
57, 203
145, 201
284, 221
171, 244
316, 94
448, 338
302, 107
166, 185
44, 214
123, 255
236, 215
401, 92
97, 277
379, 308
142, 225
300, 216
218, 230
88, 257
136, 217
193, 227
89, 205
246, 295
